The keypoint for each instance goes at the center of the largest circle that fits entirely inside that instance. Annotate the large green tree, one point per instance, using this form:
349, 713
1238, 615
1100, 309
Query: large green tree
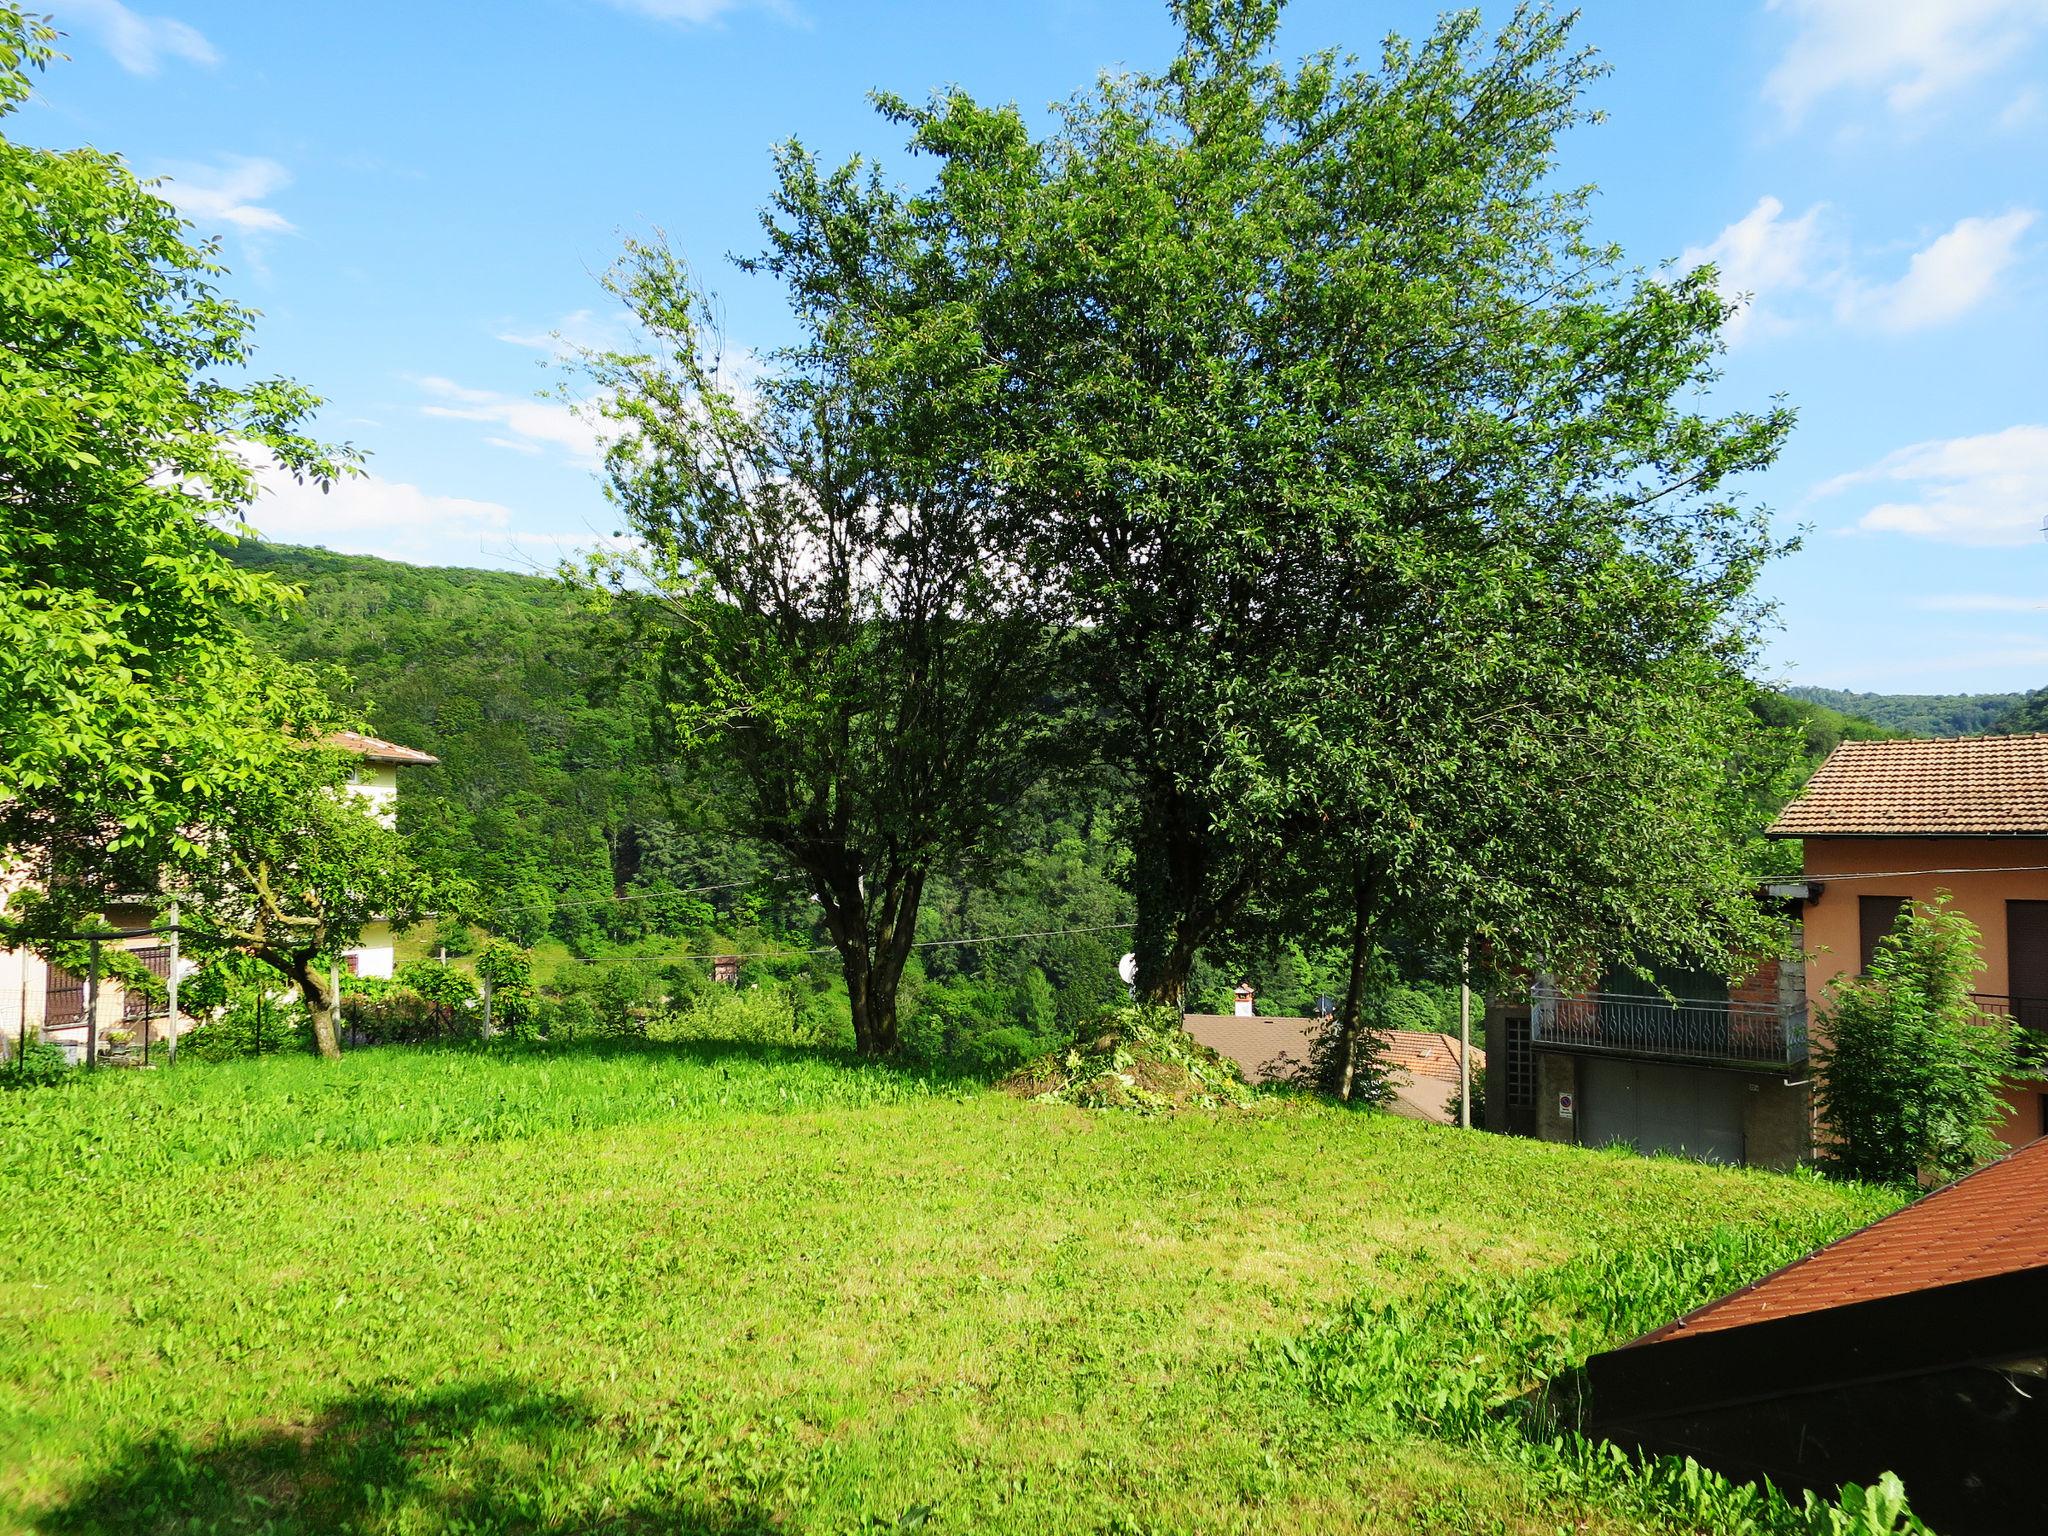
1364, 473
130, 703
834, 631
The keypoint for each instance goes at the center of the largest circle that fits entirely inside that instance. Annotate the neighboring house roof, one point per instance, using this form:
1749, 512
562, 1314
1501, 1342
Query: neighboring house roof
374, 749
1270, 1048
1917, 1345
1970, 786
1991, 1222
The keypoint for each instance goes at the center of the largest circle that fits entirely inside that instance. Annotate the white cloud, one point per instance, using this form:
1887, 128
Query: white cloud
369, 515
230, 195
579, 329
1912, 52
1944, 281
697, 13
139, 43
528, 425
1990, 490
1760, 255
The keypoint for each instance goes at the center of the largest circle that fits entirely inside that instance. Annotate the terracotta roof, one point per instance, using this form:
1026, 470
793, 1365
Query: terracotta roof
1970, 786
375, 749
1270, 1046
1991, 1222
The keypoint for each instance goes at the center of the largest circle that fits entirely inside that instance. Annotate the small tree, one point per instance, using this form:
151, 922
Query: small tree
832, 628
1907, 1067
290, 872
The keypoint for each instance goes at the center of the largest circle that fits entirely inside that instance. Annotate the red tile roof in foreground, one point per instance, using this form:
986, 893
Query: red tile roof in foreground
1971, 786
375, 749
1991, 1222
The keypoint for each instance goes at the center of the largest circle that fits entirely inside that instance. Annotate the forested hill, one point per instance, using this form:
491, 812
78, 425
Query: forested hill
1922, 714
543, 797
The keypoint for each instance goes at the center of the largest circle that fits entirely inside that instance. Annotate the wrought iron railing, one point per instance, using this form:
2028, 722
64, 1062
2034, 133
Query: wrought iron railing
1623, 1024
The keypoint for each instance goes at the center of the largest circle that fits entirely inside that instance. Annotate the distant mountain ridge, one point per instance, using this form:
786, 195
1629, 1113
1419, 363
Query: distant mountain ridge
1931, 714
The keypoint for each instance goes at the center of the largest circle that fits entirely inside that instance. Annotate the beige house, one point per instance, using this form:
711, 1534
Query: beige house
41, 1000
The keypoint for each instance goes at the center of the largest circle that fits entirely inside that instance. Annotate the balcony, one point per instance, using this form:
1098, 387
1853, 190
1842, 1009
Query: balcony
1714, 1033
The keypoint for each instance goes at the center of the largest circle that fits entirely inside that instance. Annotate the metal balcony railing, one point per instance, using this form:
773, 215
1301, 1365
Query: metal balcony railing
1647, 1025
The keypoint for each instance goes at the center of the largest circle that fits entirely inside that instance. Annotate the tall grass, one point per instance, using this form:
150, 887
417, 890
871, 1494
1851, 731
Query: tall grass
130, 1124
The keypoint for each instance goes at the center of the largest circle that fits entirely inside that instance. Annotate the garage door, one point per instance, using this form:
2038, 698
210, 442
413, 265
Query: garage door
1686, 1110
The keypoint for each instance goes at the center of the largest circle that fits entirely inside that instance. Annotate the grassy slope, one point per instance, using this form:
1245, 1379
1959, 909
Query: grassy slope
692, 1290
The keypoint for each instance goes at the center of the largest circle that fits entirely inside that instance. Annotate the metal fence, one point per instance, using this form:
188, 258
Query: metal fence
1758, 1034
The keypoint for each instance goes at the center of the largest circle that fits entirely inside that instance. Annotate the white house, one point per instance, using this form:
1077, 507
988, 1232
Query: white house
38, 999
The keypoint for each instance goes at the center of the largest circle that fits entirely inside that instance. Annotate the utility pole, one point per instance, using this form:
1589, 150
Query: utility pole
1465, 1039
171, 995
92, 1007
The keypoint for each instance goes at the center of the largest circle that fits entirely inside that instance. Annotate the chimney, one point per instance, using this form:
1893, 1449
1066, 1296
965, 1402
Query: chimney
1244, 999
726, 968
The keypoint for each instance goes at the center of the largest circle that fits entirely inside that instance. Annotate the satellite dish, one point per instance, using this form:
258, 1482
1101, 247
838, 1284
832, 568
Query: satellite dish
1128, 969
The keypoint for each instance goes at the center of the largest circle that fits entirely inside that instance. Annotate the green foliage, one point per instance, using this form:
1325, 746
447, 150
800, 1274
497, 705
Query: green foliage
131, 710
1907, 1067
2025, 714
1136, 1058
252, 1024
545, 803
1920, 714
1370, 559
839, 637
440, 984
36, 1064
509, 971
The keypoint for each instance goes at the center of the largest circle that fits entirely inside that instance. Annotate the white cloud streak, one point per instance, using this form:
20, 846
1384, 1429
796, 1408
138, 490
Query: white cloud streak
230, 195
1989, 491
1909, 53
139, 43
1945, 280
527, 425
369, 515
1760, 256
1783, 271
699, 13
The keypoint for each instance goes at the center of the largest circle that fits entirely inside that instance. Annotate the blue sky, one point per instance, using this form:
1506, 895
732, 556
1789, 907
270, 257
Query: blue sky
418, 195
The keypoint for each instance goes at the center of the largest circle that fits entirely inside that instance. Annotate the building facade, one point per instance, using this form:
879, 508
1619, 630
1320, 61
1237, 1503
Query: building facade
1884, 823
40, 1000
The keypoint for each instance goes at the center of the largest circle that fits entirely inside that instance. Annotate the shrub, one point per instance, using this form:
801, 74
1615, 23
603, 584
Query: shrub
1907, 1067
509, 970
249, 1026
39, 1065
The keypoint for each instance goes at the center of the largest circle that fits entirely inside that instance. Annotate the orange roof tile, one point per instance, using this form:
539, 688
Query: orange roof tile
1969, 786
375, 749
1991, 1222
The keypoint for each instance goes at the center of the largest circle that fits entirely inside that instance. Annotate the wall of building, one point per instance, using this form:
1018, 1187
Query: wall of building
378, 784
1833, 927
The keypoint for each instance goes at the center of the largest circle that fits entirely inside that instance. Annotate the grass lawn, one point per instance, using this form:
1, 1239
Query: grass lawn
687, 1289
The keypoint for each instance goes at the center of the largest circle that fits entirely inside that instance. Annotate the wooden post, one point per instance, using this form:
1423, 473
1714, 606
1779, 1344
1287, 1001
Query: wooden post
171, 996
92, 1007
487, 1008
1465, 1040
258, 1052
21, 1041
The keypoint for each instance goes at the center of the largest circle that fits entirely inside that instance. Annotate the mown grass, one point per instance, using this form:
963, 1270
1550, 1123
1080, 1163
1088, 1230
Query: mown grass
698, 1289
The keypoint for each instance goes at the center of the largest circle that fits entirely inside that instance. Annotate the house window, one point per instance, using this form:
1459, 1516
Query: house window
1876, 916
1521, 1061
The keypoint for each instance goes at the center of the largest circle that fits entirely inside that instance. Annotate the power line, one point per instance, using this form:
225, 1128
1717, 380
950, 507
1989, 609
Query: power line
826, 949
687, 890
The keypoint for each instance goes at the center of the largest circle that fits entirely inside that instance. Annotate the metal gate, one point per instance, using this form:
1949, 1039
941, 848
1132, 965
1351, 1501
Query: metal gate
1692, 1111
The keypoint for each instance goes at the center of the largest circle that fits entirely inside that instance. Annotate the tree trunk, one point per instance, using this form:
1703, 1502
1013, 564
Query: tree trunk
1354, 991
320, 1006
872, 951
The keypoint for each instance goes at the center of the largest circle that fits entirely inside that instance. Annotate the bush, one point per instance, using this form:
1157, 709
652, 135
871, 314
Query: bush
249, 1027
1907, 1067
39, 1065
